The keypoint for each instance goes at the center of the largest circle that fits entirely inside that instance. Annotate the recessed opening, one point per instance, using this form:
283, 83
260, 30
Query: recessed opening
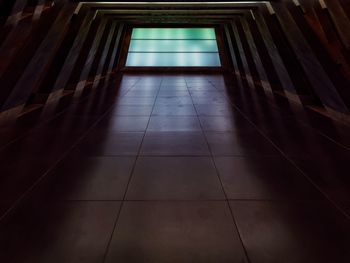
173, 47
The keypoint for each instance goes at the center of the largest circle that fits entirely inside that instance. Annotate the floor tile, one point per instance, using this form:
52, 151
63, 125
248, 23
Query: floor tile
66, 123
206, 94
91, 178
19, 174
329, 173
174, 87
175, 232
302, 143
225, 123
101, 143
239, 144
123, 123
175, 178
173, 124
200, 87
131, 110
292, 232
59, 232
271, 178
210, 100
174, 110
164, 92
215, 110
173, 100
135, 101
346, 207
141, 93
170, 143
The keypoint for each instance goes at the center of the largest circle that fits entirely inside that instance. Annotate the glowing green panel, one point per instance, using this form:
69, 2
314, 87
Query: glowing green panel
173, 60
173, 33
173, 47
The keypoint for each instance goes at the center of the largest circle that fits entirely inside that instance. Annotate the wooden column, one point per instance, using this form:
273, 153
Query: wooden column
246, 74
35, 51
261, 74
314, 40
99, 54
341, 21
39, 64
236, 71
311, 66
105, 50
55, 80
83, 77
20, 36
72, 58
272, 51
116, 48
16, 12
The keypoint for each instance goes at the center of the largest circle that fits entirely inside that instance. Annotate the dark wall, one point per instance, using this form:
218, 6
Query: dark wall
298, 49
47, 49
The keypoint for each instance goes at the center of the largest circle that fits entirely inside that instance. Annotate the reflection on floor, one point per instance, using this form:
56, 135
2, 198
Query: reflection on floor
175, 168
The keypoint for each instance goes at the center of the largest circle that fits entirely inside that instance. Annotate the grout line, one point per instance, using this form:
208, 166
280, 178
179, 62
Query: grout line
222, 185
129, 180
30, 190
333, 140
327, 197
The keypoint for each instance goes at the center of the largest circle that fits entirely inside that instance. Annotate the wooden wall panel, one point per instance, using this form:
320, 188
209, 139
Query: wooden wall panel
245, 71
113, 48
68, 48
254, 74
341, 21
272, 50
74, 75
330, 67
345, 4
98, 61
105, 51
260, 70
311, 65
83, 78
38, 66
72, 58
25, 52
236, 70
117, 48
12, 42
16, 12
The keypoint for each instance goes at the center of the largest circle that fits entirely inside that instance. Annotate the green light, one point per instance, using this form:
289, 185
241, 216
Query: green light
173, 47
173, 33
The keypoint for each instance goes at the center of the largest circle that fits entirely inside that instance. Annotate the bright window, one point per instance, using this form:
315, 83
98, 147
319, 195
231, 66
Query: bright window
173, 47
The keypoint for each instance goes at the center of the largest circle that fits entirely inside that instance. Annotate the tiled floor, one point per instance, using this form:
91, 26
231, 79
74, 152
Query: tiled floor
174, 168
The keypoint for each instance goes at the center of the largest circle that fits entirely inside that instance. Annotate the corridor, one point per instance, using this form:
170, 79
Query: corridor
174, 168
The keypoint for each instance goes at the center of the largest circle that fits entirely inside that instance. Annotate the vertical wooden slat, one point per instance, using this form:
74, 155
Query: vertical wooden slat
233, 56
116, 49
256, 57
38, 65
341, 21
91, 56
246, 70
312, 67
272, 50
105, 46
